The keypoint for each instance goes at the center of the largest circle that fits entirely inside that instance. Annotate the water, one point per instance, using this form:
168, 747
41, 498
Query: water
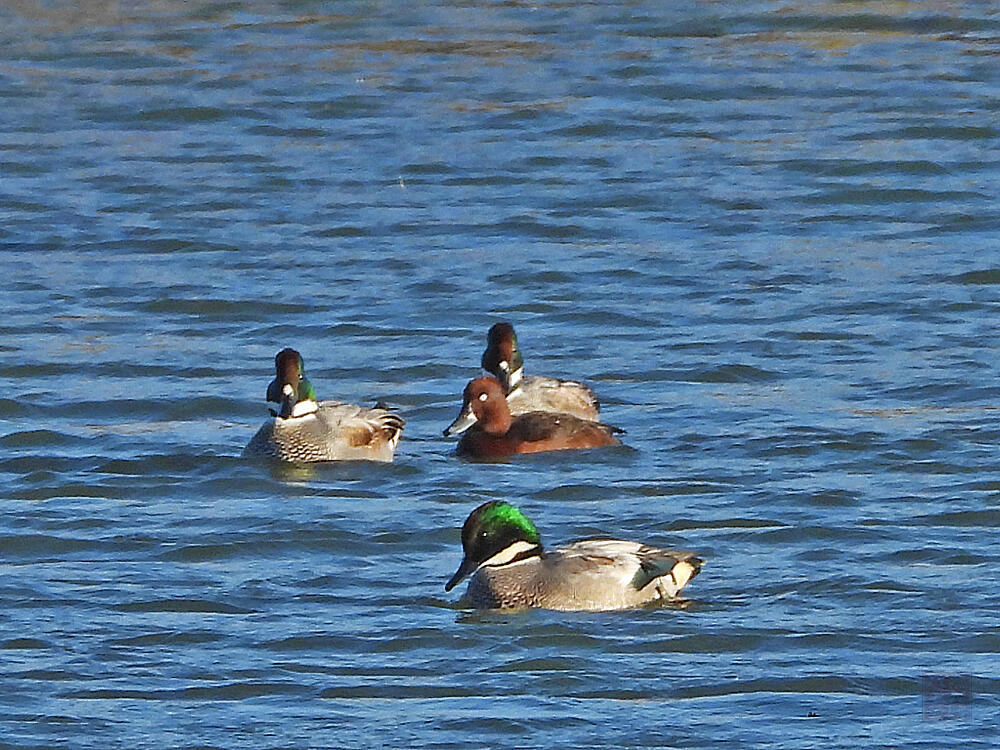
767, 234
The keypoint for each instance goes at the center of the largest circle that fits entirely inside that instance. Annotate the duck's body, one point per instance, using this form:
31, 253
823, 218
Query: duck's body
333, 432
510, 569
536, 432
306, 430
503, 360
491, 431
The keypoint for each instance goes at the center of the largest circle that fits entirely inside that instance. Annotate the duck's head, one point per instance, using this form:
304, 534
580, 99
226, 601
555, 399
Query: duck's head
483, 401
290, 387
496, 533
502, 357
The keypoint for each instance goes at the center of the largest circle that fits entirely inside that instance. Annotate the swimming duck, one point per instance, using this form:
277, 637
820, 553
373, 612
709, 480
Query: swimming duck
306, 430
503, 360
509, 567
493, 432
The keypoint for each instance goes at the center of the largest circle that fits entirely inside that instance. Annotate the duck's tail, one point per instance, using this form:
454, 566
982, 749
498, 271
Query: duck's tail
390, 423
683, 571
671, 570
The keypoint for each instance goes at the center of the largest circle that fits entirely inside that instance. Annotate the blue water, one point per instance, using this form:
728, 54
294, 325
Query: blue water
766, 234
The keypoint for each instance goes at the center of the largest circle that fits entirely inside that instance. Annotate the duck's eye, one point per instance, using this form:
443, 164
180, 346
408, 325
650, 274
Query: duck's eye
483, 397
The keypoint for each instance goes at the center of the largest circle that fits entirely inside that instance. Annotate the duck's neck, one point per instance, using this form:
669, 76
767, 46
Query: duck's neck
512, 553
497, 419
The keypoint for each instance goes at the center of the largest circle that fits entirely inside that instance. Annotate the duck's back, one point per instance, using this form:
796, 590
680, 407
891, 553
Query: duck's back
335, 432
537, 393
544, 430
615, 574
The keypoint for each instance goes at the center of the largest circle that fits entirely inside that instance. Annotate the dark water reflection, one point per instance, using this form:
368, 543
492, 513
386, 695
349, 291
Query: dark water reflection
765, 233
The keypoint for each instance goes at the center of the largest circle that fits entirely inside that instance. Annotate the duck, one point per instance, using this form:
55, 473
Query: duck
503, 360
306, 430
491, 431
511, 569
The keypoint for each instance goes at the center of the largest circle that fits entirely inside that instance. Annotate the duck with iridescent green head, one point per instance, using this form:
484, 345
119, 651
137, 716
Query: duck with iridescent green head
306, 430
510, 568
504, 361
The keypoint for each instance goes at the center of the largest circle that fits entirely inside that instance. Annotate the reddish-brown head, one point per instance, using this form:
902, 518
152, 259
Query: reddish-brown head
483, 401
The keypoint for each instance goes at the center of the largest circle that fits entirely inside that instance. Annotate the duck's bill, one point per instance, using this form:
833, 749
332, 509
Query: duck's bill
464, 569
465, 420
288, 402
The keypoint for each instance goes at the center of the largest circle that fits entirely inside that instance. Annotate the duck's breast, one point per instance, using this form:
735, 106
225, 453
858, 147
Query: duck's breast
298, 439
506, 587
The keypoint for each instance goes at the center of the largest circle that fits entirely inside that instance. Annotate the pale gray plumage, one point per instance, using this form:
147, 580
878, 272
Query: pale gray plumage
539, 393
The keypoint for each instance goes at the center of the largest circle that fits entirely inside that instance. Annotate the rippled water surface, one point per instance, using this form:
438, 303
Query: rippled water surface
767, 234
